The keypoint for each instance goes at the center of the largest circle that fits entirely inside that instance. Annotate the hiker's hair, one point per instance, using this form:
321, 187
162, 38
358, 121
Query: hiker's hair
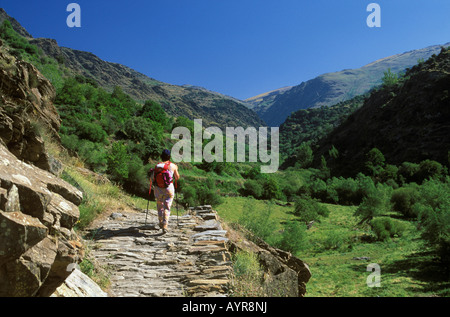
165, 155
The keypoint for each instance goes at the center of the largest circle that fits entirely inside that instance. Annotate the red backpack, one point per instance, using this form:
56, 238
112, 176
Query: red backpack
163, 177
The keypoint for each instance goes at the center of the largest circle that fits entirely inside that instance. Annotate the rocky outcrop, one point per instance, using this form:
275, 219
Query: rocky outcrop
37, 210
25, 109
79, 284
37, 241
285, 275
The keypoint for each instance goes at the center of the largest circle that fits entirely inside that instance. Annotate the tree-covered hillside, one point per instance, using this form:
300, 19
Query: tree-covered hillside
407, 119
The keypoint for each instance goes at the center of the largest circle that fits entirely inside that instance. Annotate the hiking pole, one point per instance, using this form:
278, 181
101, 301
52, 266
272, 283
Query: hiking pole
176, 200
146, 215
148, 202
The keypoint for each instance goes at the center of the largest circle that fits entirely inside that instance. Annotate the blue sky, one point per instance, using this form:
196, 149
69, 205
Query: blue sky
239, 48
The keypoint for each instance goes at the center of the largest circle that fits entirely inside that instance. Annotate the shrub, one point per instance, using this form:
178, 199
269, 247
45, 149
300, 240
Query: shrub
404, 198
375, 162
389, 78
433, 209
190, 198
318, 189
335, 240
154, 112
91, 131
259, 222
70, 141
390, 172
305, 156
430, 169
375, 203
137, 181
346, 190
201, 193
307, 209
209, 196
385, 228
146, 136
271, 189
118, 159
408, 172
184, 123
293, 238
253, 188
94, 154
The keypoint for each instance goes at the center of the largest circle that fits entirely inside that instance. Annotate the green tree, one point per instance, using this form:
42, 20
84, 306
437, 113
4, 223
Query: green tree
333, 152
259, 222
293, 238
90, 131
304, 156
433, 209
146, 137
430, 169
307, 210
118, 160
375, 203
253, 188
154, 112
389, 78
404, 198
375, 162
271, 189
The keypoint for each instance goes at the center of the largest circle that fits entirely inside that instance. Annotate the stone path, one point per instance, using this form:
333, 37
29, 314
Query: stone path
190, 260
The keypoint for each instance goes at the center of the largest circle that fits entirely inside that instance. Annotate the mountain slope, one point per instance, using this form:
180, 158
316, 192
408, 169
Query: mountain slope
407, 121
192, 102
332, 88
310, 125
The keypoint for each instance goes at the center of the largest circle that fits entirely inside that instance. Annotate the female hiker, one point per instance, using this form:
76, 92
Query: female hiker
165, 175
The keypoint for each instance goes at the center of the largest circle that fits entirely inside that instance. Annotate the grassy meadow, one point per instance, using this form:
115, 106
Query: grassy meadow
332, 246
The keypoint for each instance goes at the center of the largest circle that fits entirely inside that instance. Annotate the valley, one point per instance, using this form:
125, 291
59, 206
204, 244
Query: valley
362, 180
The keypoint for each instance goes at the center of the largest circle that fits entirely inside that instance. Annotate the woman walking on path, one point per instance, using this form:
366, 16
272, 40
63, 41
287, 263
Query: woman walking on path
165, 175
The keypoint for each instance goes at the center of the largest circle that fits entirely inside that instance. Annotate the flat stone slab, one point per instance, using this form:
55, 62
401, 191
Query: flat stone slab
209, 225
213, 233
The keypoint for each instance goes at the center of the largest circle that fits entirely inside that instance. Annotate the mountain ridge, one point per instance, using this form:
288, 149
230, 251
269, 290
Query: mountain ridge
331, 88
189, 101
407, 121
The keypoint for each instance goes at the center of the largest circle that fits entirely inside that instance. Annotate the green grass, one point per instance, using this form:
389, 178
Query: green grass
234, 208
408, 267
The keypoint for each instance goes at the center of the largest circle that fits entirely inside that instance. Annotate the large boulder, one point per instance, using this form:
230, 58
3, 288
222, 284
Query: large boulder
37, 241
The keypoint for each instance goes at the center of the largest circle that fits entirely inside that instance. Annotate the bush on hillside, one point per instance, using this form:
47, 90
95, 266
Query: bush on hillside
118, 160
308, 209
293, 237
433, 209
404, 198
385, 228
375, 203
252, 188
